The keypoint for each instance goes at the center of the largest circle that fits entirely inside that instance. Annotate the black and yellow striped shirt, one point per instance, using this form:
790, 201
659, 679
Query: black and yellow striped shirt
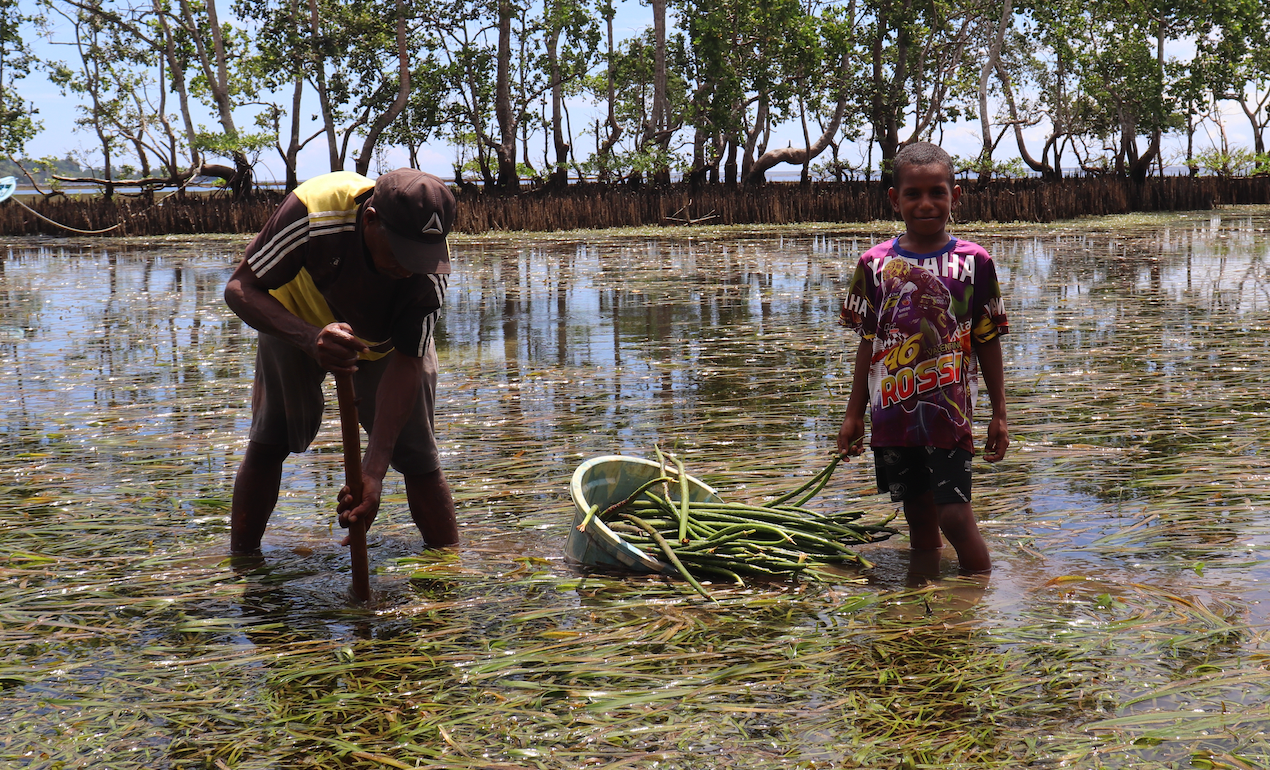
312, 257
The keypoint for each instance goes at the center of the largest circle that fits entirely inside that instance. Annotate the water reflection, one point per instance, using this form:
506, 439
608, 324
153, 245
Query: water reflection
1131, 351
632, 343
1139, 366
1134, 492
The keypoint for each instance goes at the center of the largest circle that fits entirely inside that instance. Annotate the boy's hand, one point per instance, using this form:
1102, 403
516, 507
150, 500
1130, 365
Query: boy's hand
851, 437
998, 439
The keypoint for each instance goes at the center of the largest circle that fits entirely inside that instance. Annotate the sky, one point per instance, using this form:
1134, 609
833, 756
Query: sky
58, 112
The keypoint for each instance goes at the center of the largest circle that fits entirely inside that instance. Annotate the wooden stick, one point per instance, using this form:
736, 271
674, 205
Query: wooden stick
352, 440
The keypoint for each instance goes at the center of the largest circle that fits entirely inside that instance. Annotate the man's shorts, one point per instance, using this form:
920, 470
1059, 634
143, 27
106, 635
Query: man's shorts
908, 472
287, 403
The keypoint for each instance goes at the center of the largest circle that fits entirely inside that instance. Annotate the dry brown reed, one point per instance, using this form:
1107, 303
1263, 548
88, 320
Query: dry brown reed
584, 207
171, 216
1028, 200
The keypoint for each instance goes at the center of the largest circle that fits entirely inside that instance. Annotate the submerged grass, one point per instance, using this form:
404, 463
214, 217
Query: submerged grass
1124, 625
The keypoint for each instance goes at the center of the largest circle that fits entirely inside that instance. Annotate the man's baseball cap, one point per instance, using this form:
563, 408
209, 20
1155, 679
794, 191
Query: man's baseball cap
417, 212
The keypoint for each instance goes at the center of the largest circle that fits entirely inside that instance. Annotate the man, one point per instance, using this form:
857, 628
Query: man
348, 276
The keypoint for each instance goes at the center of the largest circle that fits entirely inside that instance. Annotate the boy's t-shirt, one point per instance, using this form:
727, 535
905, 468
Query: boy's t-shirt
923, 312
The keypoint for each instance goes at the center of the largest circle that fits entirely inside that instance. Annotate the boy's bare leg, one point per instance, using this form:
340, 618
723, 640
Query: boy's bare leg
923, 523
432, 508
923, 566
255, 495
925, 545
958, 524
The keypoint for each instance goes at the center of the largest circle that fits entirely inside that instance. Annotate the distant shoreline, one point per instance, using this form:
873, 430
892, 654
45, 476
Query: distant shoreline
591, 207
773, 176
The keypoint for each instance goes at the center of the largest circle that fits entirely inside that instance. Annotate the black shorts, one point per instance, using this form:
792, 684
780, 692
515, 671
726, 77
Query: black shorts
287, 403
907, 472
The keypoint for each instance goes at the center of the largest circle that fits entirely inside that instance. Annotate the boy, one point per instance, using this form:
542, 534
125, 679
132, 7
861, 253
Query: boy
929, 313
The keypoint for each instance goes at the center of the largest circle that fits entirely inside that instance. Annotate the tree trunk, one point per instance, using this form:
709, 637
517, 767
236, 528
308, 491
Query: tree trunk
751, 141
1190, 140
216, 73
1139, 167
171, 162
1258, 126
697, 176
985, 122
398, 104
218, 81
293, 143
177, 69
505, 149
292, 150
1039, 166
729, 166
559, 177
604, 152
700, 135
92, 85
884, 97
804, 155
335, 158
658, 131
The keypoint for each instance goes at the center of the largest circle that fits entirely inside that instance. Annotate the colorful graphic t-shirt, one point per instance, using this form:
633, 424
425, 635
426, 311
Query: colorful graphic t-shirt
923, 312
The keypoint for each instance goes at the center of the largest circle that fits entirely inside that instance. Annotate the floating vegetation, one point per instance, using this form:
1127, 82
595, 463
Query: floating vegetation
709, 537
1124, 625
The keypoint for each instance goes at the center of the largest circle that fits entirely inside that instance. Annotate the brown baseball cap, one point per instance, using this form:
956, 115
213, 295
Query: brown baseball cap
417, 212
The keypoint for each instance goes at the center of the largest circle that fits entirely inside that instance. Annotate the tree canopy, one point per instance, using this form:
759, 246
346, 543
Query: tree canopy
544, 93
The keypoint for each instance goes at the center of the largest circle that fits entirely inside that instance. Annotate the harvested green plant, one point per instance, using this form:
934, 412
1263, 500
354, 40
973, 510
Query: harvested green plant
775, 540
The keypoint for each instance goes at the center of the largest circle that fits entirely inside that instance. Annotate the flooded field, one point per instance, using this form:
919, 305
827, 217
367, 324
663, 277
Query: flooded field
1125, 624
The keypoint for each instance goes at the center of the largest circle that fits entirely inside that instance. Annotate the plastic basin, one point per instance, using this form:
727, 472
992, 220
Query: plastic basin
606, 480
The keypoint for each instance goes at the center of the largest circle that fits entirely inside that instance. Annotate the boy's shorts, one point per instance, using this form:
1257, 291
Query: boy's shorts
287, 403
907, 472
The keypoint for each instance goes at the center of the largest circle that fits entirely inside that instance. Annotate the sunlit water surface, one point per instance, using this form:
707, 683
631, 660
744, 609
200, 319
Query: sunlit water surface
1127, 525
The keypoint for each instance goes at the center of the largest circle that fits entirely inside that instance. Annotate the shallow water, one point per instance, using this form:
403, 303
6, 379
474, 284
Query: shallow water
1123, 625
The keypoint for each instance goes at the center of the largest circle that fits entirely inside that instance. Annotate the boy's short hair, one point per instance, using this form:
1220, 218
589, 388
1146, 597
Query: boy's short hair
921, 154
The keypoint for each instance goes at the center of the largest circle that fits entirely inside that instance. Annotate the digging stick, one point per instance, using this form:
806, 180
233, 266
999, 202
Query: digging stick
352, 440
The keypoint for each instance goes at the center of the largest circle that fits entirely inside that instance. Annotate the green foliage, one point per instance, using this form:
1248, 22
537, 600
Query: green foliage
17, 118
230, 145
646, 160
17, 126
1237, 162
838, 170
242, 81
1009, 169
1090, 69
429, 108
528, 172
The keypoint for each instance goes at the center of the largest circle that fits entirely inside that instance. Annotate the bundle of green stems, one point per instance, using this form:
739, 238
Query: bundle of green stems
705, 539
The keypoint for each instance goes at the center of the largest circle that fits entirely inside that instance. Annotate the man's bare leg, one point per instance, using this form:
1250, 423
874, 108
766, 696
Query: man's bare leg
432, 508
255, 496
